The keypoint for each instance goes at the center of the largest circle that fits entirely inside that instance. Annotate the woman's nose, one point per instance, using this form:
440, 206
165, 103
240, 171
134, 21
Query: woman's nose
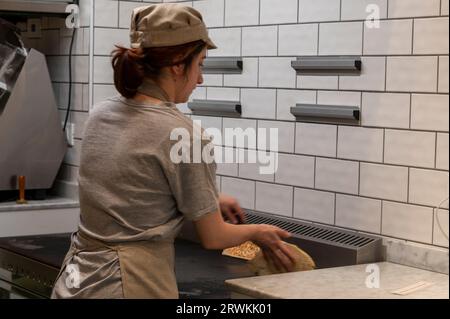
200, 79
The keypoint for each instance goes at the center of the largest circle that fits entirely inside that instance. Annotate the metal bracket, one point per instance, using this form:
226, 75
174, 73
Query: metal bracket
216, 108
326, 113
327, 65
222, 65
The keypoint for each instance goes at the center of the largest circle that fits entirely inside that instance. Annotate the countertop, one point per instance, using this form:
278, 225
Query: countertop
50, 203
344, 283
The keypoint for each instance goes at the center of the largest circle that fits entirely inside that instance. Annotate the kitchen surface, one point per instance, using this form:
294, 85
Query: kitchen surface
30, 264
350, 282
343, 109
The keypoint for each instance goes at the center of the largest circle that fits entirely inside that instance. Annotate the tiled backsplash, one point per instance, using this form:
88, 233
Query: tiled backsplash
385, 176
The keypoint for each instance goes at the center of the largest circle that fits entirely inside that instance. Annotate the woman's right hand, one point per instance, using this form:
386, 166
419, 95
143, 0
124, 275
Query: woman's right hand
269, 239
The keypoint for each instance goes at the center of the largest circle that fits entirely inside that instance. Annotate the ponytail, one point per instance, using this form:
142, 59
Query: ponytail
128, 70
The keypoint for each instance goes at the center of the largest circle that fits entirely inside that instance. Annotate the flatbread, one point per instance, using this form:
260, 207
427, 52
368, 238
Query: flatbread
261, 267
246, 251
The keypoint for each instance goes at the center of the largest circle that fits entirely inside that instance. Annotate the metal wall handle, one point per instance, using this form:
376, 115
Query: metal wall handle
337, 112
218, 65
327, 65
216, 107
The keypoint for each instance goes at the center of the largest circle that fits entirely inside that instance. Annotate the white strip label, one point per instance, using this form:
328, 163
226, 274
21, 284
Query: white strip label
413, 288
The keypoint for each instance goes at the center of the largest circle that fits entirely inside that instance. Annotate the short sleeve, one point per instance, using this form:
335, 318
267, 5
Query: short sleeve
193, 185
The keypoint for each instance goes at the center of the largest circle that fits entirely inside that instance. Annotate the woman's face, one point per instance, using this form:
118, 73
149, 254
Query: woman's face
189, 82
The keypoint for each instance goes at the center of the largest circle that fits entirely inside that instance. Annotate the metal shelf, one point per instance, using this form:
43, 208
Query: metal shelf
326, 113
215, 108
34, 7
222, 65
327, 65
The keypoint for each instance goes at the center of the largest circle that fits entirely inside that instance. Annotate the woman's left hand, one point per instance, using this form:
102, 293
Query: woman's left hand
231, 210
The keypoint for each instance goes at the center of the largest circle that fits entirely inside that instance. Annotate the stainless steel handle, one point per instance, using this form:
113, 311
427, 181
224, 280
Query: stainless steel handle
326, 111
215, 107
327, 65
216, 65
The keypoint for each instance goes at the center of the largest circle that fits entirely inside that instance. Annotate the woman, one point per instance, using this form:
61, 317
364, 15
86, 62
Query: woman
133, 196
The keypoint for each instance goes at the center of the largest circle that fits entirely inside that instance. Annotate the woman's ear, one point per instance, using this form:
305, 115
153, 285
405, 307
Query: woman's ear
178, 69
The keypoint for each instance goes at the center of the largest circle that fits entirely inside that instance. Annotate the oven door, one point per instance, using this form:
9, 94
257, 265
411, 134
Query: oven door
10, 291
23, 277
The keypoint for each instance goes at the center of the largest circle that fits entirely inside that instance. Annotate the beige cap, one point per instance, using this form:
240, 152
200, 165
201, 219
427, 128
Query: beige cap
167, 24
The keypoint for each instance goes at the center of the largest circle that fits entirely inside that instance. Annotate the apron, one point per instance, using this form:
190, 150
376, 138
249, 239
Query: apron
145, 270
134, 270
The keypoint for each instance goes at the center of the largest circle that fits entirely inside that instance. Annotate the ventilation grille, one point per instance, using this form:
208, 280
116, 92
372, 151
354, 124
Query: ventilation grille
314, 232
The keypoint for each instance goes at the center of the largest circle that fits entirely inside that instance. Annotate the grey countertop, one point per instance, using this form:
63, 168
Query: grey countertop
50, 203
344, 283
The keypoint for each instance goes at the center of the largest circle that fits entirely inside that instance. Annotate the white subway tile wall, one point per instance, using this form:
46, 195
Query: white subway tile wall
384, 175
358, 213
314, 205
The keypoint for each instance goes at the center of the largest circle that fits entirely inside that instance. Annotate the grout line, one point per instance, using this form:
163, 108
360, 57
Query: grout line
407, 190
293, 201
387, 9
362, 41
435, 150
385, 73
337, 140
242, 40
254, 198
276, 104
361, 110
278, 40
410, 111
91, 56
118, 13
335, 201
257, 77
432, 224
224, 12
381, 217
359, 179
438, 73
318, 38
315, 171
259, 12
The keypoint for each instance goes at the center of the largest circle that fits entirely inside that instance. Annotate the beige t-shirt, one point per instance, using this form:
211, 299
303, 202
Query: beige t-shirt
129, 188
